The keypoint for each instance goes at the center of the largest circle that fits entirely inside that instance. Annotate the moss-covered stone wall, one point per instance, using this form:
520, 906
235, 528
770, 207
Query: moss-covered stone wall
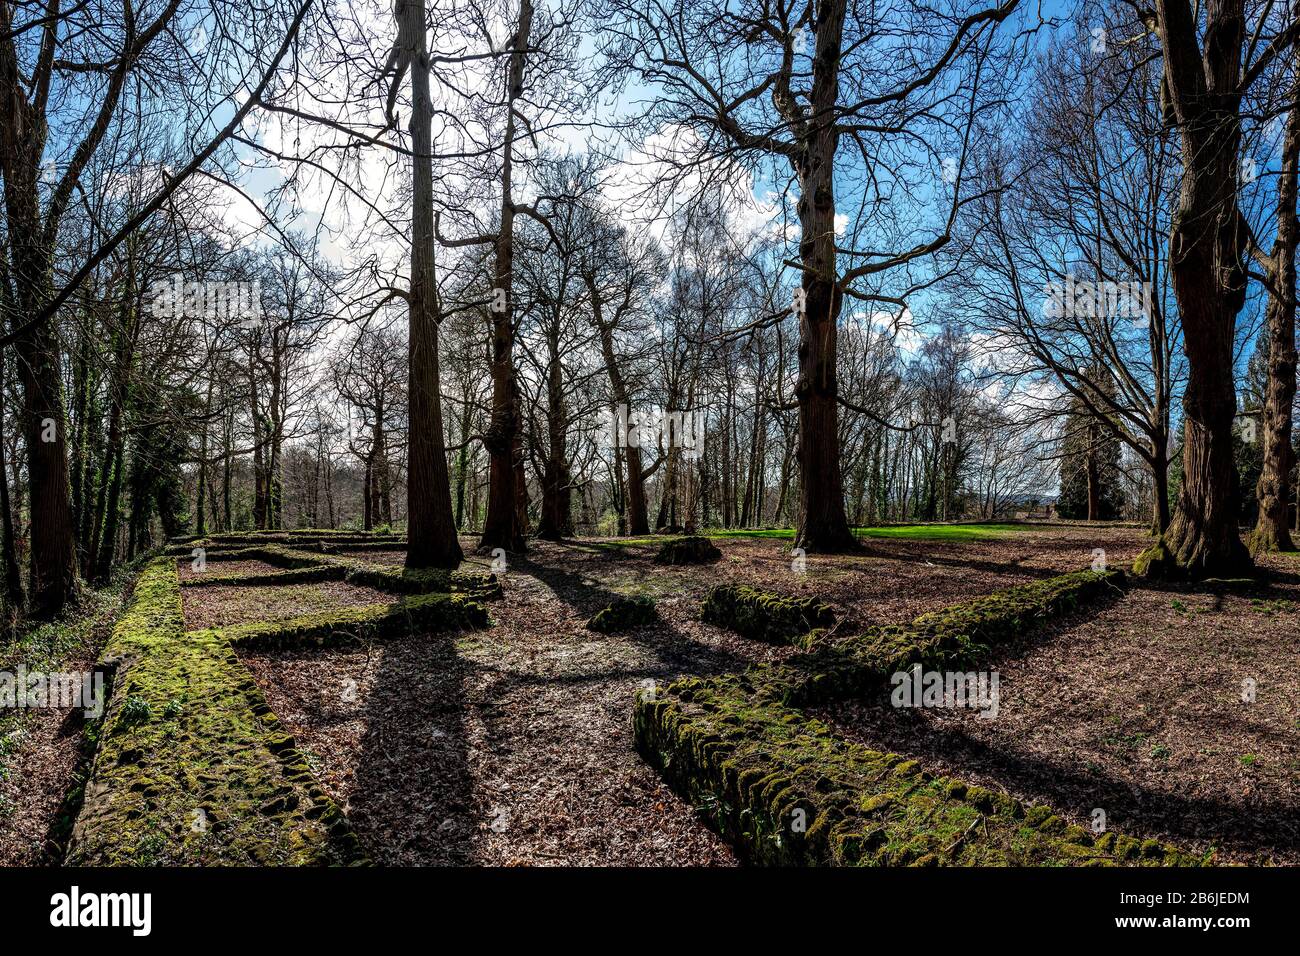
764, 615
783, 789
191, 767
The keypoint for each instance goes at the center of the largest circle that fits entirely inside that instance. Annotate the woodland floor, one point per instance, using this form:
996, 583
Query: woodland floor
513, 745
43, 751
40, 755
1138, 710
220, 606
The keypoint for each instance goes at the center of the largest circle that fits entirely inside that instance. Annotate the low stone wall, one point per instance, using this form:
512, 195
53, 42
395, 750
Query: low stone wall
783, 789
191, 767
413, 615
763, 615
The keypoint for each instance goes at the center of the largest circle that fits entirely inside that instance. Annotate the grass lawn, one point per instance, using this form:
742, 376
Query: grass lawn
907, 532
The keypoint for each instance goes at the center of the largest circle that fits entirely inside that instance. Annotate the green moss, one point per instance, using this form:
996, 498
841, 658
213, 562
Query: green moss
910, 532
326, 561
305, 538
277, 555
763, 615
623, 614
839, 666
302, 575
483, 587
213, 781
735, 747
785, 791
691, 549
413, 615
1158, 563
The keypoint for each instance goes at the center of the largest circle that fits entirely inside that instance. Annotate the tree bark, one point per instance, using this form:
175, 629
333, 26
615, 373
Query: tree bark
1093, 472
200, 524
503, 527
1160, 492
822, 525
1206, 248
431, 530
638, 513
557, 506
1272, 530
53, 544
31, 236
15, 596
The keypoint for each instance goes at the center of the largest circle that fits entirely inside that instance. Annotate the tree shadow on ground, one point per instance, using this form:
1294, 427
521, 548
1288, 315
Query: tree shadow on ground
676, 653
580, 591
1261, 827
973, 564
412, 802
1063, 780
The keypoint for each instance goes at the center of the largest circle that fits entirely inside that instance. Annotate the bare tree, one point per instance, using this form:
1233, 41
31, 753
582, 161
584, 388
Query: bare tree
57, 55
1207, 71
741, 81
431, 531
1272, 529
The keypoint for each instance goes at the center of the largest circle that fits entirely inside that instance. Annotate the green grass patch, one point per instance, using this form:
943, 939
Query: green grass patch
908, 532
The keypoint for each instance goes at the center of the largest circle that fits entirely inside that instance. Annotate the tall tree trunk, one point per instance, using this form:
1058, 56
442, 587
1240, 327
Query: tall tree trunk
329, 493
431, 531
386, 485
227, 470
1093, 472
112, 509
502, 528
259, 450
1206, 248
81, 385
110, 494
200, 525
783, 490
53, 544
1160, 491
556, 519
1272, 530
43, 424
823, 526
462, 459
275, 412
667, 492
638, 513
13, 579
367, 495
